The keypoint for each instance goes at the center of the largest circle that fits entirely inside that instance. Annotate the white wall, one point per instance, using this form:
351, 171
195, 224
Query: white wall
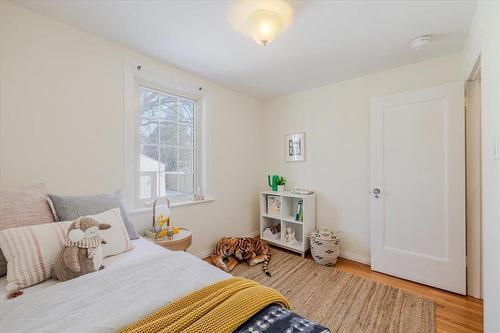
336, 120
484, 39
61, 123
56, 81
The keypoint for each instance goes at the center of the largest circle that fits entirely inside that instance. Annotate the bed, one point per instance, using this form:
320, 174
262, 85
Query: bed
132, 285
143, 287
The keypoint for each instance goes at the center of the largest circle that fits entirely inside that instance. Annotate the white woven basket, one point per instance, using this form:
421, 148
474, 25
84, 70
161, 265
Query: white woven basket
325, 246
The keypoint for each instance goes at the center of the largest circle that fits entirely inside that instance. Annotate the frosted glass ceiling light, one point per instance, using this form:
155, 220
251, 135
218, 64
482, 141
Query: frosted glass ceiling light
262, 20
264, 25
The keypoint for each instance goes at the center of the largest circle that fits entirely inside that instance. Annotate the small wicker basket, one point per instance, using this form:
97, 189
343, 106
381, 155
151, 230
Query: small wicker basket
325, 246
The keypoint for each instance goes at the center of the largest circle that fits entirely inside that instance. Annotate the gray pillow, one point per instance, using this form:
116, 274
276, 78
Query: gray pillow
70, 208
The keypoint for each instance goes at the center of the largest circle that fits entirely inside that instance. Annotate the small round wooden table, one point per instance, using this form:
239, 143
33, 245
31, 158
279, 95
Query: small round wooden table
180, 242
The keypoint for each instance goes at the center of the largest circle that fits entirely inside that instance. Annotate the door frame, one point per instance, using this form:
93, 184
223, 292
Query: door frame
475, 244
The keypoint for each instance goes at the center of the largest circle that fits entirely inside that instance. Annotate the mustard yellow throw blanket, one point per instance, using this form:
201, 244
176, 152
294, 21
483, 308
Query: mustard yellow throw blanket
220, 307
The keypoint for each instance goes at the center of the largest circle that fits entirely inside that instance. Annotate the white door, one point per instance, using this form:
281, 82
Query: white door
418, 186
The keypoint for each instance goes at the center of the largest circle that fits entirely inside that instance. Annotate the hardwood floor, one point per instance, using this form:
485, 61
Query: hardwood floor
454, 313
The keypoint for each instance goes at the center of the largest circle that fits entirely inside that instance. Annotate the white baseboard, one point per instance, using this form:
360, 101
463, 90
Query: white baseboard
203, 254
207, 252
355, 257
254, 233
343, 254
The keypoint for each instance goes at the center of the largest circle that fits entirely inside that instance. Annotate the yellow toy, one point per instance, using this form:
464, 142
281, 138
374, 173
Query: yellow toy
162, 233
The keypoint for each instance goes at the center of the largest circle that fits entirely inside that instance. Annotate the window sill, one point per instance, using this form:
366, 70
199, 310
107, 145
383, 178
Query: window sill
172, 205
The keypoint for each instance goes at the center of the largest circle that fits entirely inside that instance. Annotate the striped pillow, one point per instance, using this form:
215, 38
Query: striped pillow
25, 205
32, 251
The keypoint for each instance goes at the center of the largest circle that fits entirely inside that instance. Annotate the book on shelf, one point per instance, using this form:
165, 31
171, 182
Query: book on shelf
299, 213
273, 205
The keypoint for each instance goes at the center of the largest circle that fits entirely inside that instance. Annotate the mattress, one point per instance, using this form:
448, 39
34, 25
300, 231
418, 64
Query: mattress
132, 285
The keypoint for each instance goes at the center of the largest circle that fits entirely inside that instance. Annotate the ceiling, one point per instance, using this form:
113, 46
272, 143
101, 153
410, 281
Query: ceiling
327, 42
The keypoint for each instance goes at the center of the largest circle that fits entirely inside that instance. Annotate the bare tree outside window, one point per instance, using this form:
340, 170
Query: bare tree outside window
167, 145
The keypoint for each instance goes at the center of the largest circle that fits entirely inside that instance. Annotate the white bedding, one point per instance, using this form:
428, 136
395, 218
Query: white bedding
132, 285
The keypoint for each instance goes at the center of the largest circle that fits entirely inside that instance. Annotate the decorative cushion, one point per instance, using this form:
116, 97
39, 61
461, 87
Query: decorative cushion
31, 251
116, 237
26, 205
72, 207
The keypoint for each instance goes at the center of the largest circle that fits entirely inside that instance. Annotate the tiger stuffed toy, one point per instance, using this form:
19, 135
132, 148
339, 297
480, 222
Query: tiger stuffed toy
253, 250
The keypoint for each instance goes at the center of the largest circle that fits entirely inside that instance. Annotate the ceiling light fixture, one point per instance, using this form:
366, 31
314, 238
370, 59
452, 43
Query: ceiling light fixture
262, 20
264, 25
420, 42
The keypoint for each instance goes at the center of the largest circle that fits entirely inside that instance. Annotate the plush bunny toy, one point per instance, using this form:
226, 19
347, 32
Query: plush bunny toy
82, 252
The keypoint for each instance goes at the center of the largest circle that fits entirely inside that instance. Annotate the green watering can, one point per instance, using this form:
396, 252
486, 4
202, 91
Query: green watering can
274, 182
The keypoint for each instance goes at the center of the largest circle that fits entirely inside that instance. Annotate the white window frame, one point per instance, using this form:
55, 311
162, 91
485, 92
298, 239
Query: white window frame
134, 77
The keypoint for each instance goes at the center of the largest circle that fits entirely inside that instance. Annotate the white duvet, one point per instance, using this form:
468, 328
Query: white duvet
132, 285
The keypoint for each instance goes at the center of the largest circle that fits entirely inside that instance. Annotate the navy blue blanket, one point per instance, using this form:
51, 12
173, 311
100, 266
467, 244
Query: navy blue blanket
276, 319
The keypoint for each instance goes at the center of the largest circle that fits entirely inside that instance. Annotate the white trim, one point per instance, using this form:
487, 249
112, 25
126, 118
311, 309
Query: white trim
355, 257
129, 133
472, 59
343, 254
472, 50
140, 211
176, 85
472, 71
203, 254
474, 185
141, 83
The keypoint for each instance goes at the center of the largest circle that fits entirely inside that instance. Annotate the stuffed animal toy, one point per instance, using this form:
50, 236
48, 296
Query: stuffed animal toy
290, 236
82, 252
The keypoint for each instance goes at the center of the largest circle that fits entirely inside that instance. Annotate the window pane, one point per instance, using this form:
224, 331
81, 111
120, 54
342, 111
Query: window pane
149, 104
149, 131
149, 158
168, 108
146, 186
186, 184
186, 111
186, 160
168, 184
168, 158
168, 134
167, 146
186, 135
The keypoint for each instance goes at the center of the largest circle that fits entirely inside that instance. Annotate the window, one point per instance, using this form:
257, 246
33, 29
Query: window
167, 149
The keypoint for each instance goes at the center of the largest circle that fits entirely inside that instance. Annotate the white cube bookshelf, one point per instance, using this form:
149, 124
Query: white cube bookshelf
286, 218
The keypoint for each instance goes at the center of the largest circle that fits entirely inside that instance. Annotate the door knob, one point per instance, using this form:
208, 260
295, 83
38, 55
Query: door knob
376, 193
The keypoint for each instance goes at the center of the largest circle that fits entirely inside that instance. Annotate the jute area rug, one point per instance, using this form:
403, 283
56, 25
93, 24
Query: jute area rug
342, 301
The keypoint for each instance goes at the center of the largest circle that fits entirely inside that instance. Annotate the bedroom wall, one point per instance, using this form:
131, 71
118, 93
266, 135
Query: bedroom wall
61, 123
484, 40
336, 120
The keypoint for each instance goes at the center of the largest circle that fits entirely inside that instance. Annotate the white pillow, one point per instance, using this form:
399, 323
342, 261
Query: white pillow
31, 251
116, 237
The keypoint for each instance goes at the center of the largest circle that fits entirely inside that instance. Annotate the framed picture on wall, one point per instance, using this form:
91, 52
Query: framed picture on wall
295, 147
